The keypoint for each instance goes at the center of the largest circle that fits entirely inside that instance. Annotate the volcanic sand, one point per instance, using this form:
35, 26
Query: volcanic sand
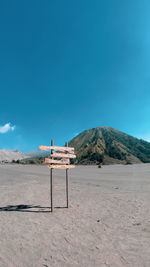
107, 223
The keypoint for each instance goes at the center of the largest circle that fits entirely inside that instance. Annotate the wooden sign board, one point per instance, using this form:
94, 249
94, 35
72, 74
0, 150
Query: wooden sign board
58, 148
62, 163
61, 167
61, 155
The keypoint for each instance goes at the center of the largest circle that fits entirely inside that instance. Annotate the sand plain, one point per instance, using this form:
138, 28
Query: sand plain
107, 223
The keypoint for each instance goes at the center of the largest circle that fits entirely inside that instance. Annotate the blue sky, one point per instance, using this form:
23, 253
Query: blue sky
67, 66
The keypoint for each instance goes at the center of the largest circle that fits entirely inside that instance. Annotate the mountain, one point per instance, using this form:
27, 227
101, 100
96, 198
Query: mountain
107, 145
9, 155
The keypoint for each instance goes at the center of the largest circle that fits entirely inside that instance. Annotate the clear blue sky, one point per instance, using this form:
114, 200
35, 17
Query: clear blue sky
66, 66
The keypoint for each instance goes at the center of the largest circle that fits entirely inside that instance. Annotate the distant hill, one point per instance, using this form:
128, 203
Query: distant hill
31, 157
108, 146
9, 155
34, 157
36, 154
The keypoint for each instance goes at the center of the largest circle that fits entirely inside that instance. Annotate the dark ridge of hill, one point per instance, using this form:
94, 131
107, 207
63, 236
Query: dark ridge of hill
36, 154
33, 160
109, 146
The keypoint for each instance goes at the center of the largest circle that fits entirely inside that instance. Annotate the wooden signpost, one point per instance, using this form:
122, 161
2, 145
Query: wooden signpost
62, 162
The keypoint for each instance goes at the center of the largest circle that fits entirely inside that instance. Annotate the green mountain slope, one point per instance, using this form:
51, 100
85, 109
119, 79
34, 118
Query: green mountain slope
107, 145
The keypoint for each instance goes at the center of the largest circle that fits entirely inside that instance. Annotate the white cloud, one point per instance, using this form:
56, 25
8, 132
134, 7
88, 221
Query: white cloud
6, 128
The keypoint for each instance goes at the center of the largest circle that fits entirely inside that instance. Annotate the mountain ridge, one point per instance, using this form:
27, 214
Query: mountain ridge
9, 155
99, 145
108, 145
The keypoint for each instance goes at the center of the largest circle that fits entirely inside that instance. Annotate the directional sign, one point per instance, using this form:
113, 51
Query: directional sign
62, 167
61, 161
61, 155
58, 148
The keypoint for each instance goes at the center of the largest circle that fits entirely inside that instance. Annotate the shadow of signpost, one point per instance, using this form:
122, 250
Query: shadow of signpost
27, 208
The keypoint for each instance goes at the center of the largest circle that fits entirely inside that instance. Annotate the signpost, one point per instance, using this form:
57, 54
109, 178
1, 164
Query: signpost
62, 162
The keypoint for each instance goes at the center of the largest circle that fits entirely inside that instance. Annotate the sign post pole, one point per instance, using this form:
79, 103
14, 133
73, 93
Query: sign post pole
51, 178
67, 193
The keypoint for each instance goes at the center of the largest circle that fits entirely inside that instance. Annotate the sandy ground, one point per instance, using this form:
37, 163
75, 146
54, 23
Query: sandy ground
107, 224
